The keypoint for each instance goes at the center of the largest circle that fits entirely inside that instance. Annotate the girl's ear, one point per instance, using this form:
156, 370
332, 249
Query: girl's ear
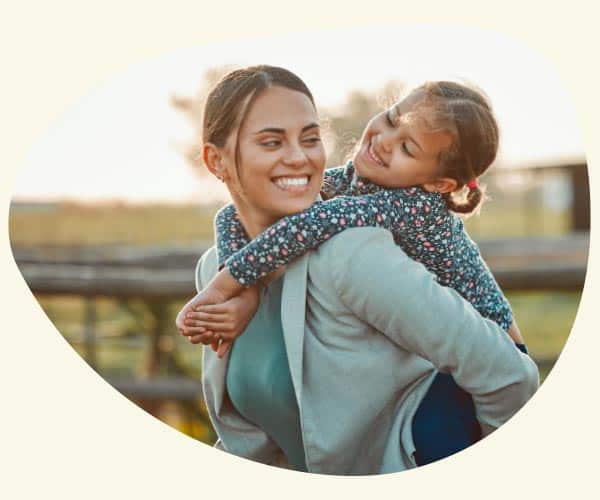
441, 185
213, 160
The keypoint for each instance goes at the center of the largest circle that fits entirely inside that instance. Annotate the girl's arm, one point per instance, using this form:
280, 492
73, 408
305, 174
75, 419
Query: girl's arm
515, 334
403, 211
212, 317
480, 288
230, 235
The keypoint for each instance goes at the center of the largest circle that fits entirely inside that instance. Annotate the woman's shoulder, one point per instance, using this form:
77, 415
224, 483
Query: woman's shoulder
206, 268
365, 241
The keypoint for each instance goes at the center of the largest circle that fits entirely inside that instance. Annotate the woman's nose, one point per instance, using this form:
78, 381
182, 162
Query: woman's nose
295, 155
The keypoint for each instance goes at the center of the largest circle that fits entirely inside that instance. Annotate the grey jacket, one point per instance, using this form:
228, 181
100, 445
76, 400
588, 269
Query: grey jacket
366, 329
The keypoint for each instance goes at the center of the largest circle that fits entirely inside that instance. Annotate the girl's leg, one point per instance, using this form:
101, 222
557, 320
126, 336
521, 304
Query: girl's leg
445, 421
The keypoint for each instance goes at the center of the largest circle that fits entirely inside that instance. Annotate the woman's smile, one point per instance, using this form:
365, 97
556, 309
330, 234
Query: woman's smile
293, 184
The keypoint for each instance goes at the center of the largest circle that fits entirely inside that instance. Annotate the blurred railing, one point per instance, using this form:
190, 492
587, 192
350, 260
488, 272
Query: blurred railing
161, 275
535, 200
532, 263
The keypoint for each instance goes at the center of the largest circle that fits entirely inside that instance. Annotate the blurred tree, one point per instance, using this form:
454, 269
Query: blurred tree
347, 122
192, 108
343, 125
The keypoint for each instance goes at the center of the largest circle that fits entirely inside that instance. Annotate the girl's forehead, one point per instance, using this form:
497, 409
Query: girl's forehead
412, 99
428, 115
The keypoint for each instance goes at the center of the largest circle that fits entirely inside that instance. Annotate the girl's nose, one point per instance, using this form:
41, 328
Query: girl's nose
385, 140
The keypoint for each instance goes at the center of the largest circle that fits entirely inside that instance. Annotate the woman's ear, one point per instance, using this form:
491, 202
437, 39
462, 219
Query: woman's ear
213, 160
441, 185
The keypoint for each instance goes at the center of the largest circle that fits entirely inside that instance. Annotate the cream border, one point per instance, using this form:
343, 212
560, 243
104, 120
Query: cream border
59, 418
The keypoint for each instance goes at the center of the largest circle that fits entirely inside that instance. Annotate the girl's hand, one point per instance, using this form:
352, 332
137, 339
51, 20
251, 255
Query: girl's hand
227, 320
515, 334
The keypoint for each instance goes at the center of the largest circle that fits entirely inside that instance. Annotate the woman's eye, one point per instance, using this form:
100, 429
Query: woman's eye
312, 140
271, 144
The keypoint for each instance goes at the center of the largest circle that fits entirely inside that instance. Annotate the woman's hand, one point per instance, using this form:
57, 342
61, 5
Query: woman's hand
209, 295
225, 321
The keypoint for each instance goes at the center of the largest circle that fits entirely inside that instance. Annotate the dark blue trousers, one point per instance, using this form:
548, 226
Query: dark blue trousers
445, 421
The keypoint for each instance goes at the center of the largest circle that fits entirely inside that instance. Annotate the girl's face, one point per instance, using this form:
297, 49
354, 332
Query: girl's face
282, 158
397, 152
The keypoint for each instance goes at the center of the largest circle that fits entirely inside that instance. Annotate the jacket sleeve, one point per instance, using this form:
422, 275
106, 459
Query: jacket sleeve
398, 297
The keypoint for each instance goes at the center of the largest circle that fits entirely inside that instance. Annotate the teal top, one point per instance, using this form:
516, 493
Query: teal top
259, 382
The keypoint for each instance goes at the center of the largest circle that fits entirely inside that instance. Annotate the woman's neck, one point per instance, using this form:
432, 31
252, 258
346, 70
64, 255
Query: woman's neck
254, 222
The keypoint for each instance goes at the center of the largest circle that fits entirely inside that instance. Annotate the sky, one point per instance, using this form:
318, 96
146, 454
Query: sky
120, 142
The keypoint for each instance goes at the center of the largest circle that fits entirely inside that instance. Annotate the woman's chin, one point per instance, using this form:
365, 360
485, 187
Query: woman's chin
293, 199
291, 205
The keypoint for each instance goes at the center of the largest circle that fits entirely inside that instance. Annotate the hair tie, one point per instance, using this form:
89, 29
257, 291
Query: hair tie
472, 184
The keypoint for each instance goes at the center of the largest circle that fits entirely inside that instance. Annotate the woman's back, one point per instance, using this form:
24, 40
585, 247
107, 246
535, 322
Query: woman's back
362, 348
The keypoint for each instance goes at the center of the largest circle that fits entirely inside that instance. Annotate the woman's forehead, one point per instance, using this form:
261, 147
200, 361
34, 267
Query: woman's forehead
280, 107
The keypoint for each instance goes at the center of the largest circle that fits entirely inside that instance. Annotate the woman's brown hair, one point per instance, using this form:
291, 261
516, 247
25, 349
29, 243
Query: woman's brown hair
467, 115
228, 102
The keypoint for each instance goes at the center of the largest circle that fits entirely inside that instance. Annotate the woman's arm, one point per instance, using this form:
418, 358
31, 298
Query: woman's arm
397, 296
403, 211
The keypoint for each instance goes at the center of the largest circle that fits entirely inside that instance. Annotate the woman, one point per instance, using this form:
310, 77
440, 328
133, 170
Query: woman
333, 367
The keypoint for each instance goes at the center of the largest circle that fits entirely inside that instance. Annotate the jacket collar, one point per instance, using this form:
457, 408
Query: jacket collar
293, 308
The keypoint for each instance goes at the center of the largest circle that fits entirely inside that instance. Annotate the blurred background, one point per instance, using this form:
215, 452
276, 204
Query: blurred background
112, 211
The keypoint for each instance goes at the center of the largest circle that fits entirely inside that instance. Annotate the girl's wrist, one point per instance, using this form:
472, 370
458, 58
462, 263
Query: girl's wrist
226, 284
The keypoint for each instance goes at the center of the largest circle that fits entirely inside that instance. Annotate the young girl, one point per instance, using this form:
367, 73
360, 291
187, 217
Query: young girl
397, 180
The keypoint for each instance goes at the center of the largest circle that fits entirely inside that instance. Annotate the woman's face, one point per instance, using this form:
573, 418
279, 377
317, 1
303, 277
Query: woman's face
281, 158
396, 151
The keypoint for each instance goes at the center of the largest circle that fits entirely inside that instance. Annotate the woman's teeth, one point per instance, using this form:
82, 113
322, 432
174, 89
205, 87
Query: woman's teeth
291, 182
373, 155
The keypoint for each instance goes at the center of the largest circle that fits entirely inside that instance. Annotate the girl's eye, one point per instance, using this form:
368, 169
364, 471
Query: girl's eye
389, 120
405, 149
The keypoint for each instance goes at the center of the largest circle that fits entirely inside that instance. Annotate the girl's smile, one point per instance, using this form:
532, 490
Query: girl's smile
372, 155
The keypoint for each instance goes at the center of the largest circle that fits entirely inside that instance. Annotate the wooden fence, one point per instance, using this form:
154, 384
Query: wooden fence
536, 263
163, 274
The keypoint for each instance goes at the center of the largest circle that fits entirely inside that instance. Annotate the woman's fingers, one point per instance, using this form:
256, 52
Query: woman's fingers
209, 325
212, 308
203, 316
224, 348
193, 330
203, 338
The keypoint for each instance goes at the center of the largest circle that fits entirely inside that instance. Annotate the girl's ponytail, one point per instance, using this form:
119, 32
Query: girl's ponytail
470, 203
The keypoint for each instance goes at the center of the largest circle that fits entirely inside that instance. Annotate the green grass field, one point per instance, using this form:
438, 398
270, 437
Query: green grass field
146, 225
